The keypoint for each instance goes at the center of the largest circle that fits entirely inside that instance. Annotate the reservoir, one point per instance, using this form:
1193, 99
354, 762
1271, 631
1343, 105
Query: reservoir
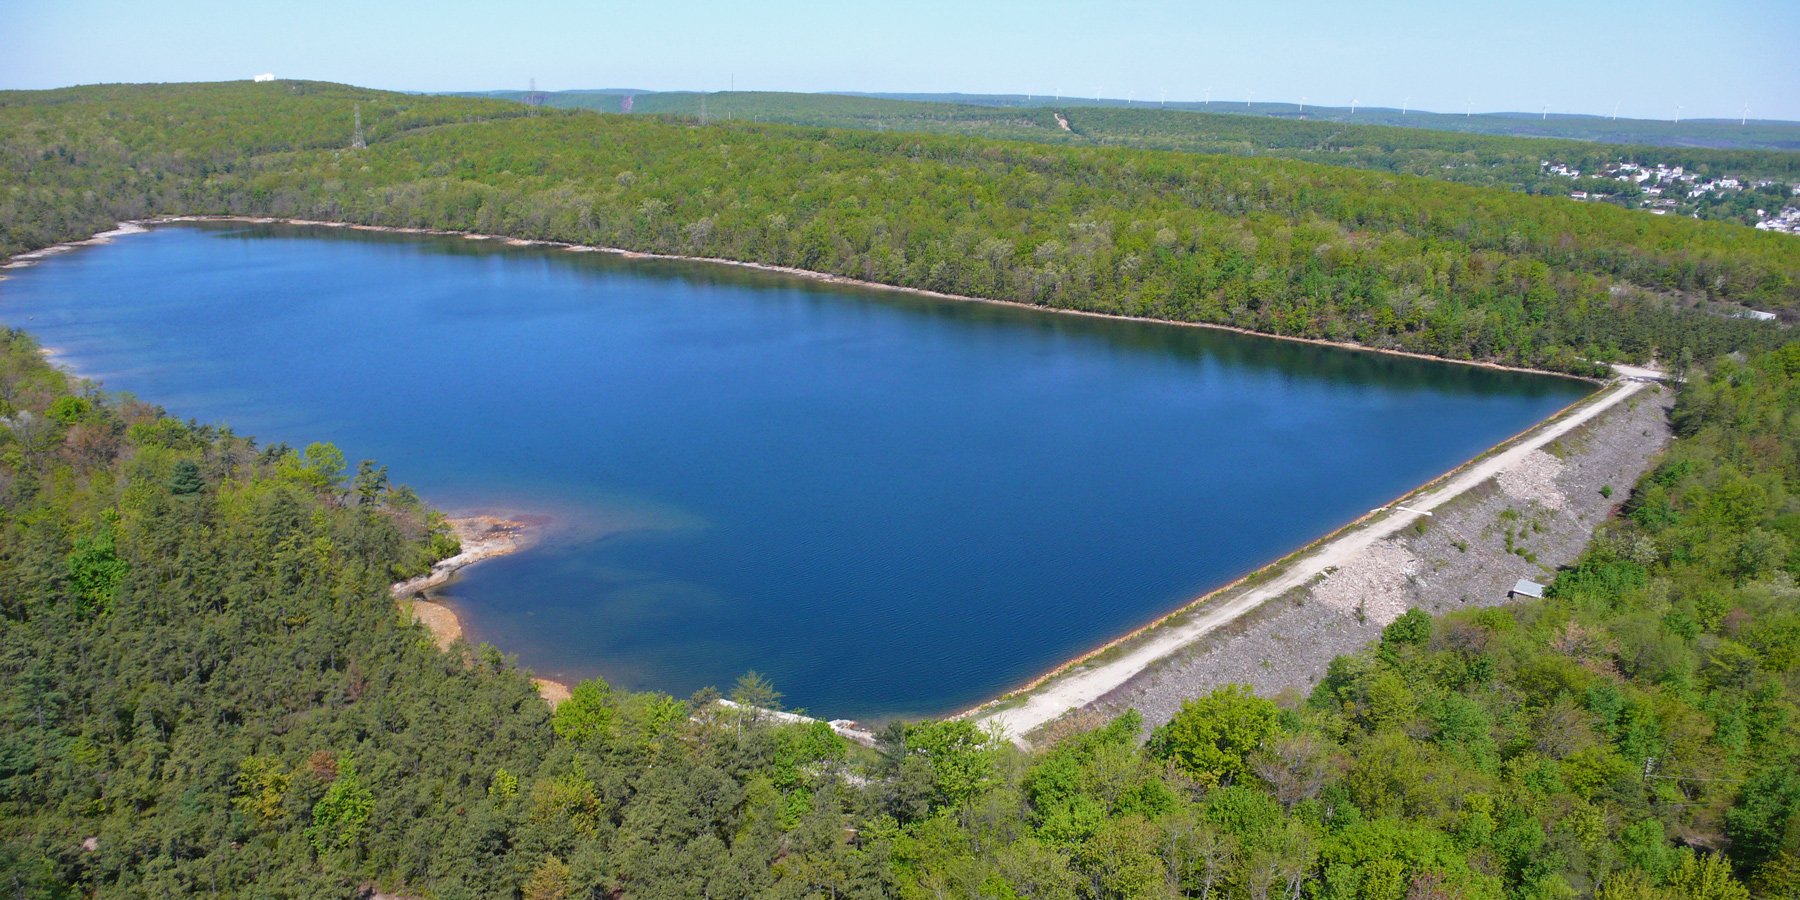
886, 504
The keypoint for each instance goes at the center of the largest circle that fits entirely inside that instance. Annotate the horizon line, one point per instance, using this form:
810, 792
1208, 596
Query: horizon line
1225, 104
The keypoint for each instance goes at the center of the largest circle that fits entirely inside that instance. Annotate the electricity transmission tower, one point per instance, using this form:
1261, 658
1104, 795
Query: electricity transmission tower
356, 139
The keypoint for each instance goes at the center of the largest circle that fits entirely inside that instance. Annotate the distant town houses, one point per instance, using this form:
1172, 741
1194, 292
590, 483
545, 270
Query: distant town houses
1662, 189
1787, 221
1722, 184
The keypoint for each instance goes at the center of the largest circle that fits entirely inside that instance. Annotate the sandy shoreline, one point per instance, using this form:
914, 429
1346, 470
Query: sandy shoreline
483, 537
30, 257
489, 537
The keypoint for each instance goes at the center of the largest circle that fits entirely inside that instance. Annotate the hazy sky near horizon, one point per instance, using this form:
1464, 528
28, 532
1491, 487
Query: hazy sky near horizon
1577, 57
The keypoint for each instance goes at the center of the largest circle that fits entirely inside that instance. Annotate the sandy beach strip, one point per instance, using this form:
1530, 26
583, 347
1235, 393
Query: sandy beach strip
30, 257
483, 537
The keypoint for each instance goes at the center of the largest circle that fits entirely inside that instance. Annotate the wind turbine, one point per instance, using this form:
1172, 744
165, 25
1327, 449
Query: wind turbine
1615, 112
1209, 96
1128, 97
1546, 114
1353, 106
1165, 98
1303, 103
1744, 118
1247, 96
1404, 104
1469, 110
1678, 114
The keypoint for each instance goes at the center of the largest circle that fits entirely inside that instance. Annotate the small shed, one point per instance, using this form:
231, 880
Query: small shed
1526, 589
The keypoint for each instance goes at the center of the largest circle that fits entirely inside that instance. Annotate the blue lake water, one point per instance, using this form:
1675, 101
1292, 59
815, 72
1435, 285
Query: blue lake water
887, 504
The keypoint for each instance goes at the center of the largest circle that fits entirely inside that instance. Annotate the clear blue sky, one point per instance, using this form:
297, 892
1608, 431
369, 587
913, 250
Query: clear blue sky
1712, 58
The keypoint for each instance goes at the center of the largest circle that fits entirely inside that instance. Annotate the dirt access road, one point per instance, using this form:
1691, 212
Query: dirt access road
1059, 694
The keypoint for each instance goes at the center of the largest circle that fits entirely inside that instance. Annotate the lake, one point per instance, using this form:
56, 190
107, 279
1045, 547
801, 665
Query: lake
887, 504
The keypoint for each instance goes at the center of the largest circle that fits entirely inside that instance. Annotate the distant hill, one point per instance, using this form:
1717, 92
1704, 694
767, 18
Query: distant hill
522, 96
1528, 164
1006, 116
1085, 213
1756, 134
1722, 134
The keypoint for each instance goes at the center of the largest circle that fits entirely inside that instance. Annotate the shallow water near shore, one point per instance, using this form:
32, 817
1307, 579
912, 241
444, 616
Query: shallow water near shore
887, 504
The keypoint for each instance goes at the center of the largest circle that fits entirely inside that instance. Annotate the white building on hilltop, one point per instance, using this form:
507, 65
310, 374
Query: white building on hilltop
264, 77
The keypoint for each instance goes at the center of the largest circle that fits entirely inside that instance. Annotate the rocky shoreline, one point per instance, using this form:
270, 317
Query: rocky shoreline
482, 537
1044, 708
1549, 506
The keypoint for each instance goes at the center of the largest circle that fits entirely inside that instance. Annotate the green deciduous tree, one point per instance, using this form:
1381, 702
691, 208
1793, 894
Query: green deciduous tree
95, 569
587, 716
1210, 736
959, 757
341, 816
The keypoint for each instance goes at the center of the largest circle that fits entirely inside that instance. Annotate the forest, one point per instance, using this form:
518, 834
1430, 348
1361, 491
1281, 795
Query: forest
209, 691
1743, 133
1384, 260
1382, 143
843, 109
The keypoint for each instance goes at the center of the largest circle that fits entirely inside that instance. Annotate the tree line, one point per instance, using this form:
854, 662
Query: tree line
209, 690
1271, 245
1509, 162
